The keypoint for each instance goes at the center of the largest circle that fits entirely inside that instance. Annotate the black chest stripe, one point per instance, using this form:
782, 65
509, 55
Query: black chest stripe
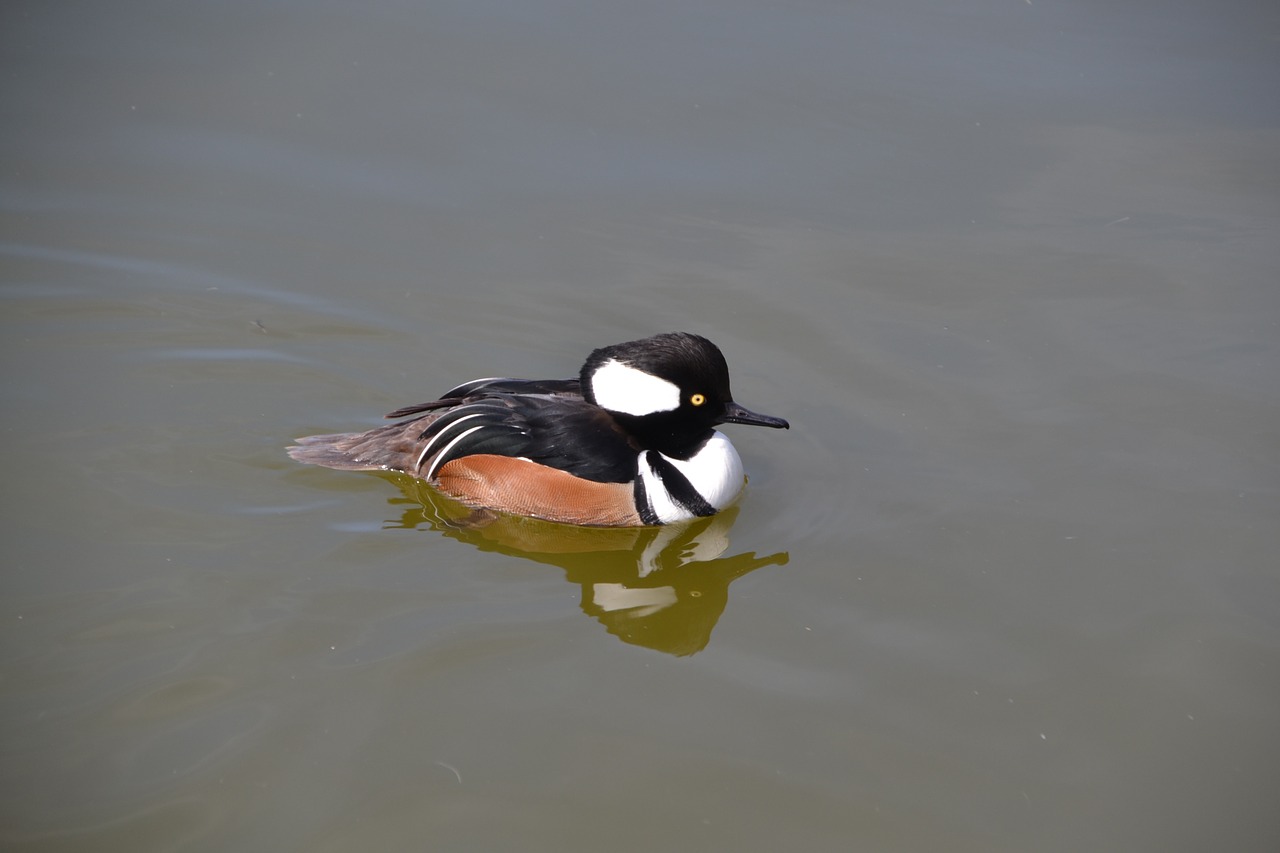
643, 507
678, 485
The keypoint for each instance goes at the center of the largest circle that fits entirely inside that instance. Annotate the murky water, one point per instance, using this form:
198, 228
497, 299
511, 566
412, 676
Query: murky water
1009, 583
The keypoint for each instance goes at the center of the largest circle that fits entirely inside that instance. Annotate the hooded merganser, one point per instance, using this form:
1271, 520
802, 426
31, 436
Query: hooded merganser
630, 442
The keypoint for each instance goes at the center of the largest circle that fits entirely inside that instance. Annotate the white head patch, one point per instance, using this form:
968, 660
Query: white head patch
621, 388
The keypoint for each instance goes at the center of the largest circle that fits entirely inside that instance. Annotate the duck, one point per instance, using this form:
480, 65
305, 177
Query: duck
630, 442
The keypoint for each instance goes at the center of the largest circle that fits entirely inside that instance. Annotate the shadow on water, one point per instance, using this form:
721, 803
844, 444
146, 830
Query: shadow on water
663, 588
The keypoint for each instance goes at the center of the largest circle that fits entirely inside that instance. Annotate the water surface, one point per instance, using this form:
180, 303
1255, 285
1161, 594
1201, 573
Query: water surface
1009, 582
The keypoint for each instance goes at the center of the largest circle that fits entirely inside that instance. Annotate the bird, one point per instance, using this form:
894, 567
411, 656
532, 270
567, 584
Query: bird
630, 442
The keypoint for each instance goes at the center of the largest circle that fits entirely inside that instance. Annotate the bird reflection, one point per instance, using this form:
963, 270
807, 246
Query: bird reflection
663, 588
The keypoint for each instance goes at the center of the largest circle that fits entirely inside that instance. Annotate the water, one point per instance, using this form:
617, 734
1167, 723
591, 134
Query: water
1009, 582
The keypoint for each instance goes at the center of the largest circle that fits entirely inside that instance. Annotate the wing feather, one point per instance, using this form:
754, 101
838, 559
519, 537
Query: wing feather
543, 421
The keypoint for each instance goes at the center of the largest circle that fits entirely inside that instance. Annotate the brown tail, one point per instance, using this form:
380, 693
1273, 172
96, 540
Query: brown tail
331, 451
390, 448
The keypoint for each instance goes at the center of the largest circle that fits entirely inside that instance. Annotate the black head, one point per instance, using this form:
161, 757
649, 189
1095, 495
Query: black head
669, 391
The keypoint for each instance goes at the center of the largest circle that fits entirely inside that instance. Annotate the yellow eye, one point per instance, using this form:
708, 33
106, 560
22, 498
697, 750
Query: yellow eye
697, 399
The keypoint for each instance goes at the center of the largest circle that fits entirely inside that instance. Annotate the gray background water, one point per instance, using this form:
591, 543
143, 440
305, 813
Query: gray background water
1010, 268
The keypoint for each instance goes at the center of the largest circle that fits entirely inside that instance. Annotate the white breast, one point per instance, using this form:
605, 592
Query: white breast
715, 472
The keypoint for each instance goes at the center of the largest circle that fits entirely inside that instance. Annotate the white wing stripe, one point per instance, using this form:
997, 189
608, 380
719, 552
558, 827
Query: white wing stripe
440, 436
443, 455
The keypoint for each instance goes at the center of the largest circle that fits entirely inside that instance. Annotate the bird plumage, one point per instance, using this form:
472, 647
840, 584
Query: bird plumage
630, 441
